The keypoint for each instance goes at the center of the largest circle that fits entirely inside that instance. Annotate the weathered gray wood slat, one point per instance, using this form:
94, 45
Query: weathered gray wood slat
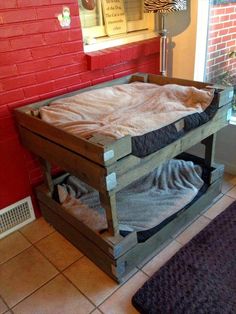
102, 160
112, 246
140, 252
89, 172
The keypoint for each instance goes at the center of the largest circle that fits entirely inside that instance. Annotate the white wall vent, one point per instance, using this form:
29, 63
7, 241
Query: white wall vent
16, 216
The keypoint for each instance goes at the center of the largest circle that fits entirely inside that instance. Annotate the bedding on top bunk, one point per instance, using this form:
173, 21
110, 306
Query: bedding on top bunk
153, 115
143, 205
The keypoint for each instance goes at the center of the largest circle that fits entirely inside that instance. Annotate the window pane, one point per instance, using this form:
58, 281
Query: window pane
90, 18
221, 52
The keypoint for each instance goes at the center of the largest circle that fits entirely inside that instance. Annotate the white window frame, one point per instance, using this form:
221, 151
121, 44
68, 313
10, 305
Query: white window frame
136, 31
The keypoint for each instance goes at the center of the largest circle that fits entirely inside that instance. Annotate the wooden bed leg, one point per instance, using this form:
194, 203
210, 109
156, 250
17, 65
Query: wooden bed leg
109, 203
46, 167
209, 143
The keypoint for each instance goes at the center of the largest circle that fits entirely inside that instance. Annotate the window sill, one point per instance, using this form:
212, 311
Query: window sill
114, 41
107, 57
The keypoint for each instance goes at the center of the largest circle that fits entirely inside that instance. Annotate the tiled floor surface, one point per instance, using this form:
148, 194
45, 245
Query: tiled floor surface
42, 273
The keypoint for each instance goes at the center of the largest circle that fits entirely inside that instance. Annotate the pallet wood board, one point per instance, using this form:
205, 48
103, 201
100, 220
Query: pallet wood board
108, 165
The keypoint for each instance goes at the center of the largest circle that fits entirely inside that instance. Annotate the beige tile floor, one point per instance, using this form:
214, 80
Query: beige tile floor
42, 273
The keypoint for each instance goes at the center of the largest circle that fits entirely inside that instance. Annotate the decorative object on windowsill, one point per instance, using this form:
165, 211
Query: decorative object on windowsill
64, 18
163, 7
88, 4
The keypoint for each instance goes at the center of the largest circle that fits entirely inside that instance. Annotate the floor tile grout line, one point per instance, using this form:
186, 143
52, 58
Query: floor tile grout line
87, 298
44, 284
3, 300
16, 255
60, 271
53, 231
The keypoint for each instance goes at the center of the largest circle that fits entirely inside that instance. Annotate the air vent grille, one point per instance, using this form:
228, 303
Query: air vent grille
16, 216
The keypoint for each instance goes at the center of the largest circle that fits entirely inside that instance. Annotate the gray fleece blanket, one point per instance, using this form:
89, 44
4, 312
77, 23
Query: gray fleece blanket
142, 205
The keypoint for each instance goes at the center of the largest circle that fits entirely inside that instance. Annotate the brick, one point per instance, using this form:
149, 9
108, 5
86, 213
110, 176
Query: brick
82, 67
54, 10
8, 4
11, 31
36, 27
220, 11
42, 52
62, 1
11, 96
18, 81
54, 93
67, 59
228, 24
33, 66
72, 46
223, 32
75, 22
224, 18
27, 42
38, 89
102, 79
67, 81
16, 104
229, 10
32, 3
8, 70
50, 74
213, 34
89, 76
212, 48
4, 112
219, 59
19, 15
214, 19
14, 57
79, 86
221, 46
4, 46
231, 43
216, 41
226, 38
233, 17
75, 34
57, 37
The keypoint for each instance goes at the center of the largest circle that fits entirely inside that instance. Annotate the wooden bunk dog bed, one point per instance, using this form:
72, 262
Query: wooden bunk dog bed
109, 165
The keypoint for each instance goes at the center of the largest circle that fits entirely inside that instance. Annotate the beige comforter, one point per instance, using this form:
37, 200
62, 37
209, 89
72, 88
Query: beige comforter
127, 109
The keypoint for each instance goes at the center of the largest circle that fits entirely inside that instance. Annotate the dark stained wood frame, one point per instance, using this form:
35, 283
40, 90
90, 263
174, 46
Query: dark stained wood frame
108, 166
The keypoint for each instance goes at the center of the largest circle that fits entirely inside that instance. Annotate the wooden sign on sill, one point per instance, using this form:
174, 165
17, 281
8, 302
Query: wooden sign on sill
114, 16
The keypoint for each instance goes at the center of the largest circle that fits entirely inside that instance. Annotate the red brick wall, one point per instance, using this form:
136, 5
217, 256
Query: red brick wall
38, 60
222, 40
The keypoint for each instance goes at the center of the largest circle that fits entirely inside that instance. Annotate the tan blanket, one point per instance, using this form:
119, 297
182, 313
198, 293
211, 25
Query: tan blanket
127, 109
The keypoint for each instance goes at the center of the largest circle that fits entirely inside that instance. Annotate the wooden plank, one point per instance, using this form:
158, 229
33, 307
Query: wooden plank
46, 167
162, 80
61, 137
112, 246
149, 163
209, 143
87, 247
113, 149
108, 202
89, 172
141, 252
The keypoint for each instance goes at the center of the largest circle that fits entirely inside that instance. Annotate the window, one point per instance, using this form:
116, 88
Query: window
139, 25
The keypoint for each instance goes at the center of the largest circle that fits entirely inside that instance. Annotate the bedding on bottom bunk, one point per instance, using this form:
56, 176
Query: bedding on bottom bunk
153, 115
142, 205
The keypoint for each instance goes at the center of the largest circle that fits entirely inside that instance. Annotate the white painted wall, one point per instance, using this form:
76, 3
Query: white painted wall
182, 28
